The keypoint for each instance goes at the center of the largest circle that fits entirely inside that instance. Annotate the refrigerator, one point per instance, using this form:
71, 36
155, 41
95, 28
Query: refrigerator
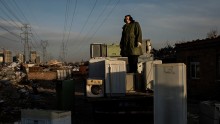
170, 96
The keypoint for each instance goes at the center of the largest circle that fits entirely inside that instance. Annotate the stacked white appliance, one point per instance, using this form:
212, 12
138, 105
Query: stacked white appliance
113, 73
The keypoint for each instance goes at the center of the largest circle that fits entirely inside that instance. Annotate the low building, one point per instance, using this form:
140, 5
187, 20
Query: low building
202, 58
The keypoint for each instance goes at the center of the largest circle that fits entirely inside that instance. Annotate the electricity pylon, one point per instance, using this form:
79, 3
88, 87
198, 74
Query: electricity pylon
25, 35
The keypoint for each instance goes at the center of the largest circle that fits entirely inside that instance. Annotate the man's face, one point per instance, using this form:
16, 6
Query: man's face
127, 19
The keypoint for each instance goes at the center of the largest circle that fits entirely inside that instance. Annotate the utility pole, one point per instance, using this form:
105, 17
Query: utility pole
44, 44
25, 35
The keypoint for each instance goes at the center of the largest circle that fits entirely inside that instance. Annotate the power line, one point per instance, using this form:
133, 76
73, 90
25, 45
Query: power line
9, 17
9, 31
66, 19
63, 51
9, 10
20, 11
85, 24
113, 8
9, 39
88, 18
98, 18
9, 22
16, 17
33, 15
65, 45
71, 22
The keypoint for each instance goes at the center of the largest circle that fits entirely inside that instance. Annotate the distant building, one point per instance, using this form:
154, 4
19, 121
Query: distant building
38, 60
7, 56
33, 56
202, 58
20, 57
1, 57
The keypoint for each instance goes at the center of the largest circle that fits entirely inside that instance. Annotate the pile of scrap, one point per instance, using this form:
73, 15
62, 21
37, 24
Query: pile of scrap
13, 96
16, 92
14, 73
12, 99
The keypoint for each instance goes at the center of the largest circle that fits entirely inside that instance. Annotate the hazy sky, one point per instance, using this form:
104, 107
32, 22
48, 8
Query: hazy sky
78, 23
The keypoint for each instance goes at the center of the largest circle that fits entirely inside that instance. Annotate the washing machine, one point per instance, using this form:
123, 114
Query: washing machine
95, 87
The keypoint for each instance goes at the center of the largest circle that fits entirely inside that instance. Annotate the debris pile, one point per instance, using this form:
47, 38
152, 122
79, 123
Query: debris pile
13, 73
16, 93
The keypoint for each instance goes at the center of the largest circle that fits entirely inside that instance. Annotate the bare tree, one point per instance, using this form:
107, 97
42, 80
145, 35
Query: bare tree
212, 34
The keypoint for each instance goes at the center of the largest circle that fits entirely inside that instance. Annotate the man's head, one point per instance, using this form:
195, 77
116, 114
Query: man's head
128, 19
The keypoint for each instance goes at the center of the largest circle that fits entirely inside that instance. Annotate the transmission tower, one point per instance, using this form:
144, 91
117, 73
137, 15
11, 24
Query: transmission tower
44, 44
25, 35
63, 52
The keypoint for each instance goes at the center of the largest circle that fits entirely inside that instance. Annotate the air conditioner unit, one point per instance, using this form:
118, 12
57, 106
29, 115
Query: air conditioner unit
98, 50
95, 88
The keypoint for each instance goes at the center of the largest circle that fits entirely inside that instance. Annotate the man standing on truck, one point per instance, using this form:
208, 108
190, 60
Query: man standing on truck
130, 43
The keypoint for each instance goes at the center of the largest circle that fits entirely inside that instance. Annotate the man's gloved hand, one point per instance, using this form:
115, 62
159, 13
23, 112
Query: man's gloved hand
139, 44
